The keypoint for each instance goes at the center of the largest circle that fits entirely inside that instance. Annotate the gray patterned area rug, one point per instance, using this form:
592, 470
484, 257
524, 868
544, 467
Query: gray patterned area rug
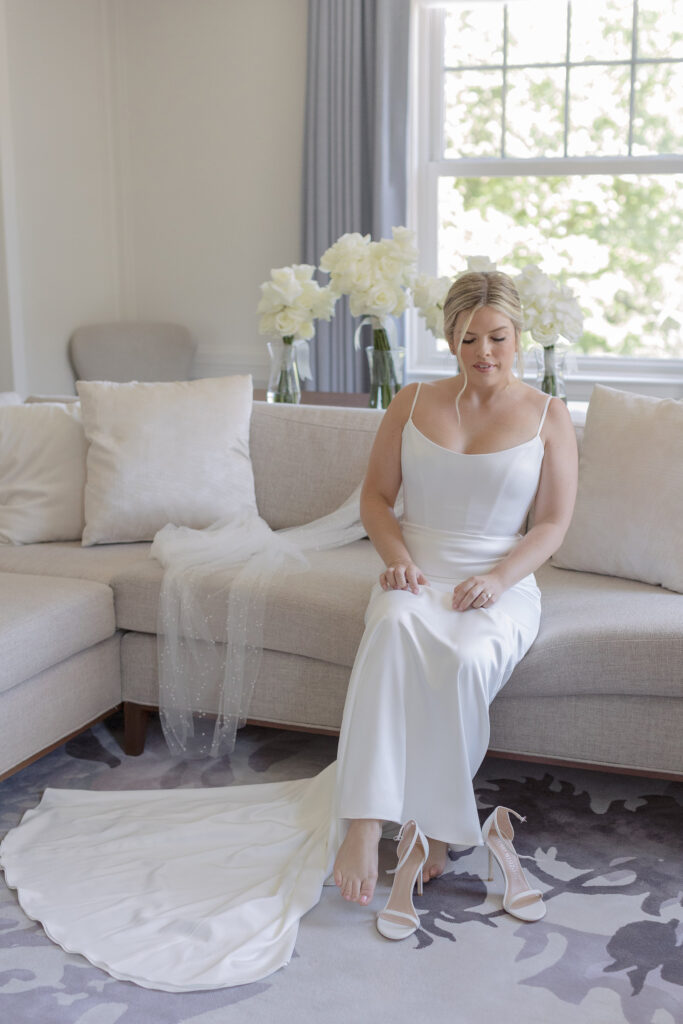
605, 850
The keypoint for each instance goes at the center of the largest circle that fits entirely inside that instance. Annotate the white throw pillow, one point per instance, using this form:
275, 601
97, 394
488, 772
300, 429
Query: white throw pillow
628, 519
165, 453
42, 473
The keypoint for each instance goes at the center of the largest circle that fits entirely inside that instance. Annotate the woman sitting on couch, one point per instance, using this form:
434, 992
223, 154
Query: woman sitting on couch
457, 605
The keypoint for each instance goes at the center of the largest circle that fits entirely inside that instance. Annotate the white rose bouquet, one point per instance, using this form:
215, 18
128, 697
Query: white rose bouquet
290, 303
550, 311
377, 277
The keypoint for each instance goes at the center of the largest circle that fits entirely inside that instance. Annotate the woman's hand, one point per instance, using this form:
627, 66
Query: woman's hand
402, 576
477, 592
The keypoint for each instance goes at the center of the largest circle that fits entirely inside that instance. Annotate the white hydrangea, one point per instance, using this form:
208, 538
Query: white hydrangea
291, 301
375, 275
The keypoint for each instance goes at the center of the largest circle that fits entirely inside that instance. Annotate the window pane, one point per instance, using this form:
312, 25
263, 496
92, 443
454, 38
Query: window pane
616, 240
660, 28
474, 112
474, 35
537, 33
601, 30
599, 111
658, 118
534, 113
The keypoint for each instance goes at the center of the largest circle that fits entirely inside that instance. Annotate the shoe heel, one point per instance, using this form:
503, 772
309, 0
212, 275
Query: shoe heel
387, 925
490, 878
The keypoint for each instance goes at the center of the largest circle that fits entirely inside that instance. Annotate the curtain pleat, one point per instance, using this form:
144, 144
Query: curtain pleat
355, 151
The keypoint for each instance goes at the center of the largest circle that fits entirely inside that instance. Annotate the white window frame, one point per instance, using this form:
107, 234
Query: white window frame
659, 377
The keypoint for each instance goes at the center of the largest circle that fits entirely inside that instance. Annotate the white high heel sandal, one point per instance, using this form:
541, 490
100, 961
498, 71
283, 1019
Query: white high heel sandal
401, 895
519, 900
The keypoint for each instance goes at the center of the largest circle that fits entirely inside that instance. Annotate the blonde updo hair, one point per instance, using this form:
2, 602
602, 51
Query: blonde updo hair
473, 291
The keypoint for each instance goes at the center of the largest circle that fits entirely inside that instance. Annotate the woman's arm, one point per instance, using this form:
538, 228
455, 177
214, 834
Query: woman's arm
378, 496
553, 509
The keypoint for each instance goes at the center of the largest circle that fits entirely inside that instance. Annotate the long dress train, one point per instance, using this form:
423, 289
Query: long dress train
192, 889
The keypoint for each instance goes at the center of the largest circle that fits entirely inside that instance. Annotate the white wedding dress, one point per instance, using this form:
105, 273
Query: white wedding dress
186, 890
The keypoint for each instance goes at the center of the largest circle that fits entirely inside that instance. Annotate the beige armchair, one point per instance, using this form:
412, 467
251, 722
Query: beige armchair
132, 351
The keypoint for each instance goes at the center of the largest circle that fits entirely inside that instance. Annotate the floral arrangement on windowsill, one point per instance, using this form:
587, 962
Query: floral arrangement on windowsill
380, 280
290, 303
377, 277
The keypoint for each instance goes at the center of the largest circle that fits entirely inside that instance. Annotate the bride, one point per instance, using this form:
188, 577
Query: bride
195, 889
457, 606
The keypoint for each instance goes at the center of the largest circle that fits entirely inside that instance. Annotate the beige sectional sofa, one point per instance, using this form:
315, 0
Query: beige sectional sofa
602, 684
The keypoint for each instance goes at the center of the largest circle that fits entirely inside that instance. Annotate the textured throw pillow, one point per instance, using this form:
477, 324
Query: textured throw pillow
628, 516
42, 473
165, 453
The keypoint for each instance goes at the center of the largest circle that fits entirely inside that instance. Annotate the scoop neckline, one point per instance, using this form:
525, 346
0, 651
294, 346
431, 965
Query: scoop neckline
472, 455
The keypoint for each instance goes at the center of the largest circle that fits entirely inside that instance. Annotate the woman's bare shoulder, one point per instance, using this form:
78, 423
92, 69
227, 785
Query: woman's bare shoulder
402, 403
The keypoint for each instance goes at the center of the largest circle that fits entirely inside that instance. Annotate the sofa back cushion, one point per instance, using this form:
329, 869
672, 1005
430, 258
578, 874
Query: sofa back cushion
627, 519
42, 473
307, 459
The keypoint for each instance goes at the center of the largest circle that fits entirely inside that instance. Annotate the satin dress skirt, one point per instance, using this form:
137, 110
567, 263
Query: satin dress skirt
416, 719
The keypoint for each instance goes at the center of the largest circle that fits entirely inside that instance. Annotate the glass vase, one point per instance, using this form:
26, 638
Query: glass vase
386, 368
283, 380
551, 370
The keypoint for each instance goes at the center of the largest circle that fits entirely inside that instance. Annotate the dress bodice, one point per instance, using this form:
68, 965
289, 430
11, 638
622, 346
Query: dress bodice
489, 494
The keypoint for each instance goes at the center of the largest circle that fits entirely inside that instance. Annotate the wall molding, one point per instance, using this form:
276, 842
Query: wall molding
8, 198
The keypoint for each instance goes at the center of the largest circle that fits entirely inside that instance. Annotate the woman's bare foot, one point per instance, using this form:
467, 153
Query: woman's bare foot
355, 869
435, 864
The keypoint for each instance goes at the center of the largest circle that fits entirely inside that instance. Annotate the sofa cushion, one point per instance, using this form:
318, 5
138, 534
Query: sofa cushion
165, 453
42, 473
46, 620
73, 561
598, 634
602, 635
318, 613
627, 520
308, 459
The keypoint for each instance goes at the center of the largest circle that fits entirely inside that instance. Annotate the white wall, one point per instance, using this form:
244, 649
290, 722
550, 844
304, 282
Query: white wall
6, 363
212, 132
157, 152
63, 254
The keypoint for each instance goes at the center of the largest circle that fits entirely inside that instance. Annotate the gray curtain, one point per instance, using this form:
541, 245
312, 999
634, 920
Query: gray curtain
355, 151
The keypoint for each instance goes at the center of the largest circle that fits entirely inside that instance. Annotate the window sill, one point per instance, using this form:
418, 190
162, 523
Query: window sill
658, 378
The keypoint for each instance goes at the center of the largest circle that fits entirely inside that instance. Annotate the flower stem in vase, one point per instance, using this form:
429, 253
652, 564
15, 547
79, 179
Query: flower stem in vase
283, 385
384, 381
549, 382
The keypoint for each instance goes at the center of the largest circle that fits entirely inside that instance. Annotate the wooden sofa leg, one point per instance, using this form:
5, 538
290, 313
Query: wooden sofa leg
134, 728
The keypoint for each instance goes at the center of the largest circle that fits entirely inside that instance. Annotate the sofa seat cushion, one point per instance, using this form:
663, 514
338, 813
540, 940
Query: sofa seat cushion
72, 560
598, 634
46, 620
317, 614
602, 635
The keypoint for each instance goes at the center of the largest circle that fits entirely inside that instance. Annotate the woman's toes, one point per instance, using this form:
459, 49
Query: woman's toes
367, 891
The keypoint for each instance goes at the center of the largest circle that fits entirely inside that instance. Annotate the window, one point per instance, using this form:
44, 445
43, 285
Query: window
551, 132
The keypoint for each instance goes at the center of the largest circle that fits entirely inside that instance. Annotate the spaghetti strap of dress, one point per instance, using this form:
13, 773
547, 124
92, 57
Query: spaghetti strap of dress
417, 392
545, 410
